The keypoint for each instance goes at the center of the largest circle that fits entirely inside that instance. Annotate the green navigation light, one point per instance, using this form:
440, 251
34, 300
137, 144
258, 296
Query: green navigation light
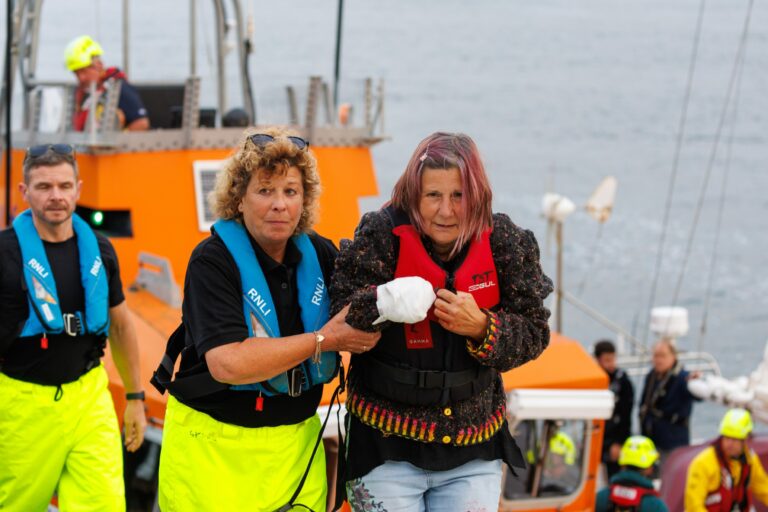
97, 218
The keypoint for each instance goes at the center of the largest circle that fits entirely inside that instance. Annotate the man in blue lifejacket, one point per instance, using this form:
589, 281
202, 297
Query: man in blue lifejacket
61, 298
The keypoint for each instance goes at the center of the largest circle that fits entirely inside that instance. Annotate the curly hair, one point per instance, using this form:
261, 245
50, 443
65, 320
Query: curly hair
273, 158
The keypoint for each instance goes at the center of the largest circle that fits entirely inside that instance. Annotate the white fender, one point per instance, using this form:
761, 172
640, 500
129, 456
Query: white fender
700, 388
759, 413
761, 394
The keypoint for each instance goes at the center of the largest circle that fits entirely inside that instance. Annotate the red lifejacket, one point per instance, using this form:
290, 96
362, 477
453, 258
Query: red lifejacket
80, 117
424, 364
476, 275
727, 495
627, 497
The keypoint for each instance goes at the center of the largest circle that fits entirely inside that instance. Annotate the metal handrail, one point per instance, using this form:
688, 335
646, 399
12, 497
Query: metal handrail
638, 365
595, 315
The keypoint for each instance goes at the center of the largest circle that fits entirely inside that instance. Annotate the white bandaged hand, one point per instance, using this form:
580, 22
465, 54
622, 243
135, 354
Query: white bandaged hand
404, 300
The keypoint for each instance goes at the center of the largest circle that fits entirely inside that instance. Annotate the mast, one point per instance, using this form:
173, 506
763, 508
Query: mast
337, 60
7, 80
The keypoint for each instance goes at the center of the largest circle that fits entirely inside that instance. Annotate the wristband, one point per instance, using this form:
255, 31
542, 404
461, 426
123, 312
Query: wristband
139, 395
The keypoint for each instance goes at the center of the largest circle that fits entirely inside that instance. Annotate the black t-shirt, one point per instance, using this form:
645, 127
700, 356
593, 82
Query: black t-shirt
213, 316
67, 357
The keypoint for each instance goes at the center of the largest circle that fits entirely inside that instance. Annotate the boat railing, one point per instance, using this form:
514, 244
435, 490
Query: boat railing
638, 364
636, 346
194, 129
638, 360
320, 110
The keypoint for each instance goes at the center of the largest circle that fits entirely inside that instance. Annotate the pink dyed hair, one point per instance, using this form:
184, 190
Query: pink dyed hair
448, 151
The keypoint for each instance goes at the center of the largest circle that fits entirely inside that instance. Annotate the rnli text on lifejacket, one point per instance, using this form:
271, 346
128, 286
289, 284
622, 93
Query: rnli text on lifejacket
317, 297
37, 267
260, 303
96, 266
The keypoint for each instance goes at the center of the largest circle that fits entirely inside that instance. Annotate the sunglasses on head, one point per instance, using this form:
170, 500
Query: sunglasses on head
40, 150
262, 139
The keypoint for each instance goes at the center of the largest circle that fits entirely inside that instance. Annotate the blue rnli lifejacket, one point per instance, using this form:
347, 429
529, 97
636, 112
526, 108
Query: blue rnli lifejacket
259, 306
44, 310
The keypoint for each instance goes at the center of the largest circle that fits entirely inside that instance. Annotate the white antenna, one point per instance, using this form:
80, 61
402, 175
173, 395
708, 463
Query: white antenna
556, 209
600, 203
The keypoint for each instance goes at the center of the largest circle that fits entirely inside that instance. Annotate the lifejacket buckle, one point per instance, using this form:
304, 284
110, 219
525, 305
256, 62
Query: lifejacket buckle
72, 324
431, 379
295, 380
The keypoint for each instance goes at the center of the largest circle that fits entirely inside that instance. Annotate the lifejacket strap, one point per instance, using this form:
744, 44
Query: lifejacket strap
427, 379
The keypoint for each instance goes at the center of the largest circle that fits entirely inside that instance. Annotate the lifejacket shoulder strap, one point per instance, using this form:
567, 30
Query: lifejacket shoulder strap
114, 72
257, 300
38, 276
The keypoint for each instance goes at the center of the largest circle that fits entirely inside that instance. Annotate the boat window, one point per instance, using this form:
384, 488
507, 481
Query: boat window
554, 456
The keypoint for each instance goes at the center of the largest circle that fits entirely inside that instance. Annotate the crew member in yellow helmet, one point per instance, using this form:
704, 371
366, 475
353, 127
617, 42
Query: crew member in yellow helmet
561, 444
560, 474
83, 58
727, 475
632, 488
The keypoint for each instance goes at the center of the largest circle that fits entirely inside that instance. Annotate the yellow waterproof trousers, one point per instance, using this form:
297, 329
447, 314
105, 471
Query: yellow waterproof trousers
70, 446
213, 466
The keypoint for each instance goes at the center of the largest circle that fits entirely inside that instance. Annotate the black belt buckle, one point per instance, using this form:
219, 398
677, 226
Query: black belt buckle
295, 380
72, 324
431, 379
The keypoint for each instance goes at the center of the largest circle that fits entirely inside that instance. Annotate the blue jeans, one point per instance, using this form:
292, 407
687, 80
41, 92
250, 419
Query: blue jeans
402, 487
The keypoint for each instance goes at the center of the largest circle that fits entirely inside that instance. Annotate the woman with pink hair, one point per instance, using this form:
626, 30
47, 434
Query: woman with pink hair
457, 293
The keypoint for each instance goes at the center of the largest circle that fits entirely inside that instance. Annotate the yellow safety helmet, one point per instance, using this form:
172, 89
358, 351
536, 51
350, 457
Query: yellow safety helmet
736, 424
638, 451
562, 444
80, 52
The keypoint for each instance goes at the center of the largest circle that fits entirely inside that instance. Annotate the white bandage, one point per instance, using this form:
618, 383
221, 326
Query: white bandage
404, 300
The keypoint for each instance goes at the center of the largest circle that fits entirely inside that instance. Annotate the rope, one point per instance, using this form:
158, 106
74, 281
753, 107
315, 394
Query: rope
710, 164
207, 47
592, 260
675, 163
721, 203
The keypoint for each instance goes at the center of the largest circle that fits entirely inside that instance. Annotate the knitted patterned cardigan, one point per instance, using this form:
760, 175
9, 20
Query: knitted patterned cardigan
517, 330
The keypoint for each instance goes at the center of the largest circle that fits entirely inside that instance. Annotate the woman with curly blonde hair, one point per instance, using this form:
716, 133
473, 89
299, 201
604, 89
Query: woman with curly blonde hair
257, 341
